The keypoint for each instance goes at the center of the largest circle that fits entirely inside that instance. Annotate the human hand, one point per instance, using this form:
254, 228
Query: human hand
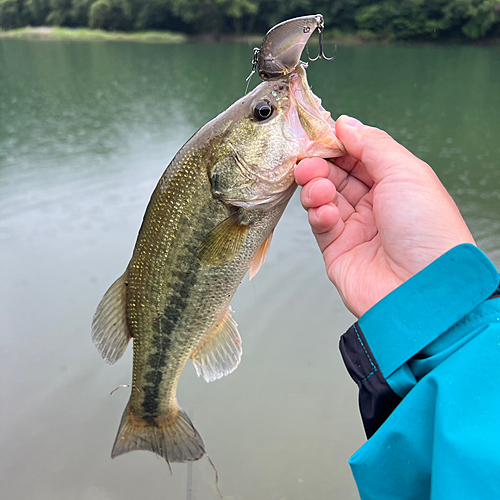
379, 215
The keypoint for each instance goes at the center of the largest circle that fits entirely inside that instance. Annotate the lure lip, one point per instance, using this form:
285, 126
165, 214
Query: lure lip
282, 46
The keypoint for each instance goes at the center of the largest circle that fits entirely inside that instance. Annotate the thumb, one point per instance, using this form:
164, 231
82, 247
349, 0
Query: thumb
376, 149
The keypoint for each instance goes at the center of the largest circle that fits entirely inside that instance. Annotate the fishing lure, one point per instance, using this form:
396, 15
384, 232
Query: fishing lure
281, 48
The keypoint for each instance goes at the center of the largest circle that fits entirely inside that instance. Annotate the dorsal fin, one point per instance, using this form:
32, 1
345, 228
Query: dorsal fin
110, 331
221, 353
260, 256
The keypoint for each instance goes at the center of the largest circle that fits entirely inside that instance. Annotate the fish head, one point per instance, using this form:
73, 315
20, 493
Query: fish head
263, 136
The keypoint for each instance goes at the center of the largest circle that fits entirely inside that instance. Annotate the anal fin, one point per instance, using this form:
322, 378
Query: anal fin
110, 331
221, 354
260, 256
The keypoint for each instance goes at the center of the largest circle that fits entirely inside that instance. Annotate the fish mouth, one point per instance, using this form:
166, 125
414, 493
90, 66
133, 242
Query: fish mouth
310, 122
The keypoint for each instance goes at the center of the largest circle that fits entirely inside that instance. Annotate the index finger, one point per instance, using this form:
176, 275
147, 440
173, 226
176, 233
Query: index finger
377, 151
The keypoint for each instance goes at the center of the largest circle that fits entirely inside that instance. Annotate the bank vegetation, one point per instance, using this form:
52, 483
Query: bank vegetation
427, 20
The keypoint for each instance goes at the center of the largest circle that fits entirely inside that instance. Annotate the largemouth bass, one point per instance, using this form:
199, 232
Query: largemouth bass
209, 221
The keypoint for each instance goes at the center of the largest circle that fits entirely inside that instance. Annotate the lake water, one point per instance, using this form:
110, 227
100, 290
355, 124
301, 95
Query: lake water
86, 130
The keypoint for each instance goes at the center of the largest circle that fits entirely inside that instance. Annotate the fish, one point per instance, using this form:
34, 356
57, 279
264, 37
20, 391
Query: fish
209, 221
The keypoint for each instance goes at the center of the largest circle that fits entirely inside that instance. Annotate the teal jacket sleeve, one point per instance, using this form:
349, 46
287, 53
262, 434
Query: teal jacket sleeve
426, 359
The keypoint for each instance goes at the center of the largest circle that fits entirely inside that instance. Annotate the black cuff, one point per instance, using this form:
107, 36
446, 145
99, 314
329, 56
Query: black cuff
496, 294
376, 399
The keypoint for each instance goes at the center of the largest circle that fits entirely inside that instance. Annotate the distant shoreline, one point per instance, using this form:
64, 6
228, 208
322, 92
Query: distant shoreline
87, 34
57, 33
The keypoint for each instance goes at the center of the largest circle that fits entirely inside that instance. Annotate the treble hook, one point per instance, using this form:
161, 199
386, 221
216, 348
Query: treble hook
321, 54
255, 60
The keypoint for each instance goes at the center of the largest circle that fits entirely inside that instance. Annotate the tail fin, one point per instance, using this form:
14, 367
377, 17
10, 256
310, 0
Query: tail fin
176, 440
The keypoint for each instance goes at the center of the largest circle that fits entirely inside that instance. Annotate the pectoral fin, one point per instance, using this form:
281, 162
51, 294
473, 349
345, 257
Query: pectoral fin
260, 256
110, 331
221, 353
224, 243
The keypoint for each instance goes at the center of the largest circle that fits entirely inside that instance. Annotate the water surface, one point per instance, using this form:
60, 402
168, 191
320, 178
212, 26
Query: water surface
86, 129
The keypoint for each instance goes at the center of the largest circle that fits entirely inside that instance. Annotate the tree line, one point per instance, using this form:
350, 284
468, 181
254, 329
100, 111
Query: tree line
387, 19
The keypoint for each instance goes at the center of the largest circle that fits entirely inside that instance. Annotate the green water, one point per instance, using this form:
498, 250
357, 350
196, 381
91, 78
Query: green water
86, 129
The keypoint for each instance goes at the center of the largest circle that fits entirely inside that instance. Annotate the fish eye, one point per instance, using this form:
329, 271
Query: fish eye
263, 110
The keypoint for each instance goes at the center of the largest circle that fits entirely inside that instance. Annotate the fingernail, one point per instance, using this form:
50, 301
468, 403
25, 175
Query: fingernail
349, 120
